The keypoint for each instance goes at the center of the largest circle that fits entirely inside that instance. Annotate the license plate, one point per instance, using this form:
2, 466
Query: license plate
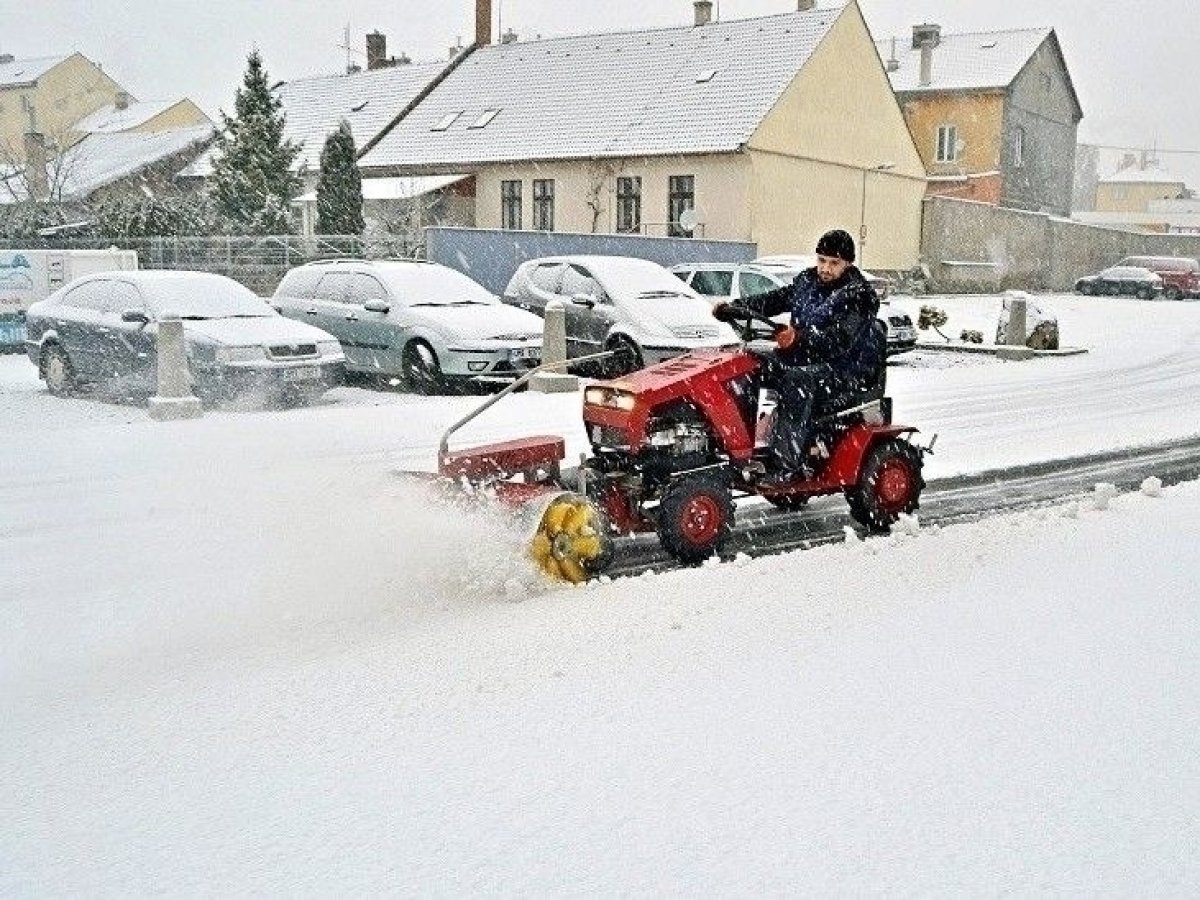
12, 333
904, 334
525, 353
301, 373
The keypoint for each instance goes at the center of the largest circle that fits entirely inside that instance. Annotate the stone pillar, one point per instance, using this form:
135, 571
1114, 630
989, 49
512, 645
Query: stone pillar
1016, 335
174, 399
554, 350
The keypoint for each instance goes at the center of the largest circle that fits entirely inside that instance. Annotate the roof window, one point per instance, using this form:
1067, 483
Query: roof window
446, 121
484, 120
706, 76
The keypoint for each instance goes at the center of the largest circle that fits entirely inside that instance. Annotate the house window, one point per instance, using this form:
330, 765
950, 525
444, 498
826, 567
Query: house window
543, 204
947, 143
1019, 147
510, 205
681, 196
629, 205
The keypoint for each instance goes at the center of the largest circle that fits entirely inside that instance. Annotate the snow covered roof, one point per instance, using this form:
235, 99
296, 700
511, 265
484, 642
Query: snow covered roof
972, 61
369, 101
110, 119
397, 188
665, 91
100, 159
1152, 173
27, 71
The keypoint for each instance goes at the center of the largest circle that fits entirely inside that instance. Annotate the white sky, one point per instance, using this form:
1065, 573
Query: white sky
1136, 83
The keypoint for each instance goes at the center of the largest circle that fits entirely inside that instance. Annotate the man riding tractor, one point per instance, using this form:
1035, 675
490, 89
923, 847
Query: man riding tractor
833, 347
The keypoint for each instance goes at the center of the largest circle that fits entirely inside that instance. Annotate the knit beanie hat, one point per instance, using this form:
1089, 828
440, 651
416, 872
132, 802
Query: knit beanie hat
836, 243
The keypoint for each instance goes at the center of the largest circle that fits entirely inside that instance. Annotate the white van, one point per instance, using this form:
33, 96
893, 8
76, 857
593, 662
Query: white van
27, 276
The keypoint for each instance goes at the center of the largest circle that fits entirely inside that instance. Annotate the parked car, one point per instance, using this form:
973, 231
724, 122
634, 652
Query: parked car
1115, 280
425, 323
883, 286
102, 330
620, 303
1180, 274
733, 281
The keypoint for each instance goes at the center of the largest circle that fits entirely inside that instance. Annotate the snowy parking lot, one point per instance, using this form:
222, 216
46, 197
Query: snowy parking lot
243, 657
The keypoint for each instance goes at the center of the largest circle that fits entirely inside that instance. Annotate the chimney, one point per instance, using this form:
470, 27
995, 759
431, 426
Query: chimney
376, 51
703, 12
926, 33
805, 5
893, 64
509, 36
483, 22
36, 180
121, 101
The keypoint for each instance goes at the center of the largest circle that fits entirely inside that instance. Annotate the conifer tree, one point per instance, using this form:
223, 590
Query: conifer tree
339, 187
253, 184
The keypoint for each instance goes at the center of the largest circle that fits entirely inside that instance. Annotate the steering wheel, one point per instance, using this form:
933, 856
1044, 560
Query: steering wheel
749, 325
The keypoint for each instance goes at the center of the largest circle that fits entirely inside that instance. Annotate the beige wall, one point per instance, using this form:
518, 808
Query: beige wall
721, 188
979, 119
184, 114
1133, 197
74, 88
815, 158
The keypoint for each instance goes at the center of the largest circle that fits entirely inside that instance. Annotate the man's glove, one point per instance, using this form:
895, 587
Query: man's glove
723, 312
786, 337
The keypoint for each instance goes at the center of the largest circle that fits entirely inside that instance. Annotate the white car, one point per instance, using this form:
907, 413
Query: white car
426, 323
629, 305
734, 281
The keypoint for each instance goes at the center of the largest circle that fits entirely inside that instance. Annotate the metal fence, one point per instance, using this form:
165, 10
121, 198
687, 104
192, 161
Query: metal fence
258, 262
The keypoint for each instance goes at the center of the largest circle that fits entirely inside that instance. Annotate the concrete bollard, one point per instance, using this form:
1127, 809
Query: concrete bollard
174, 399
1016, 335
554, 350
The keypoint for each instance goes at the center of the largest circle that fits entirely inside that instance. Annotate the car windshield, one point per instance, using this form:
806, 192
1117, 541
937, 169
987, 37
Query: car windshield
208, 297
432, 285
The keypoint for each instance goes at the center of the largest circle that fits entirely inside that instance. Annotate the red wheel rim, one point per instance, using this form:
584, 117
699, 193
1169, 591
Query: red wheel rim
700, 520
894, 485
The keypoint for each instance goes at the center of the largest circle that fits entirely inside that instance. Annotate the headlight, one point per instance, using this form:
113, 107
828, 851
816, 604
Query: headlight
240, 354
329, 348
613, 399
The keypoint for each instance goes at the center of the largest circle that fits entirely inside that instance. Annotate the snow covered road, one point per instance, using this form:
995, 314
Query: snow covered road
242, 657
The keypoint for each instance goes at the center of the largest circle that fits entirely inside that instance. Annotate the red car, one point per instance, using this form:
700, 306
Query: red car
1180, 274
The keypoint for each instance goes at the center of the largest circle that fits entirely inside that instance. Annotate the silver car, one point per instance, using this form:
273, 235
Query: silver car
102, 330
733, 281
418, 321
620, 303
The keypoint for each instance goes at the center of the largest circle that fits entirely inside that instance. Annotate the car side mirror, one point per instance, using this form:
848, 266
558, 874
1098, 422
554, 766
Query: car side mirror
135, 315
377, 306
583, 300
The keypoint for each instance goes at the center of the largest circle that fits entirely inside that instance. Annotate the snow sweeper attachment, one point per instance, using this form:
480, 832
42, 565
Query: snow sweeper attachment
568, 536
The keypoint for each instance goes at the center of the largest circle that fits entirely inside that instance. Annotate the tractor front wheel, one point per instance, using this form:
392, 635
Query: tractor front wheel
694, 517
889, 485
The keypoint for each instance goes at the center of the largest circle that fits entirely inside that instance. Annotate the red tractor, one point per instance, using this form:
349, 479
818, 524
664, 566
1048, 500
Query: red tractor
674, 445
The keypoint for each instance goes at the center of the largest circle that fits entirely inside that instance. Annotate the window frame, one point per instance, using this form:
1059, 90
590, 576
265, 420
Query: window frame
1019, 140
629, 204
511, 213
543, 204
681, 196
946, 143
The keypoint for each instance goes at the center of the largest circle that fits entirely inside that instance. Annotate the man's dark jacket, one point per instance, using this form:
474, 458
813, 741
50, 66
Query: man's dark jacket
836, 325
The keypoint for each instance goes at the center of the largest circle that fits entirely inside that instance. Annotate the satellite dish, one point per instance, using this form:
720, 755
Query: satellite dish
688, 220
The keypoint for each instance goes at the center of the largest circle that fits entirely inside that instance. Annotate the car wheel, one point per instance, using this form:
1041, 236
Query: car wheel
1146, 293
695, 517
1173, 293
889, 485
57, 371
1085, 289
422, 372
626, 357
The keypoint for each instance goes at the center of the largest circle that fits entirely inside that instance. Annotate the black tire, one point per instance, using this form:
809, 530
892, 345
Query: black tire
695, 517
1085, 289
1146, 293
422, 372
889, 485
1173, 293
56, 369
627, 358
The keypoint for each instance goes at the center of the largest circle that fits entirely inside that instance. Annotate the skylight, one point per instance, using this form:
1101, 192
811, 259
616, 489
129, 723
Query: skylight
484, 120
706, 76
446, 121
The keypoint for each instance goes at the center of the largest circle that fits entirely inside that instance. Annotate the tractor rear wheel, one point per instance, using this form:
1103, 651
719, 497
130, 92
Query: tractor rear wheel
694, 517
889, 485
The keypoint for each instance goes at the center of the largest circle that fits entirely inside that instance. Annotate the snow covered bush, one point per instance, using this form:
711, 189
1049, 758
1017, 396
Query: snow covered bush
1041, 325
969, 336
933, 317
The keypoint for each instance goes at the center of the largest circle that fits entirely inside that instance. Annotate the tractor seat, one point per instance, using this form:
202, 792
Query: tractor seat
865, 403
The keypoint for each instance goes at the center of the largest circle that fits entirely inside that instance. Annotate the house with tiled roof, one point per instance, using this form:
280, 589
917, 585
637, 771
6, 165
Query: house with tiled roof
994, 114
769, 130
